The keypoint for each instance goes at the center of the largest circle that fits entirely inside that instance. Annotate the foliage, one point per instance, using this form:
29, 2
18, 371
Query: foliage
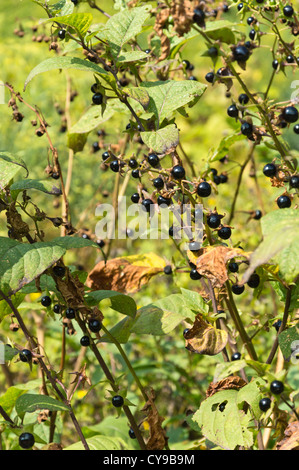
141, 341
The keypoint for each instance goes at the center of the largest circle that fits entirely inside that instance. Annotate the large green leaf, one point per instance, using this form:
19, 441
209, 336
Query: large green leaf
94, 117
168, 96
64, 62
28, 403
230, 427
280, 243
119, 302
124, 26
99, 443
46, 186
79, 21
162, 316
225, 145
163, 140
9, 167
23, 263
222, 30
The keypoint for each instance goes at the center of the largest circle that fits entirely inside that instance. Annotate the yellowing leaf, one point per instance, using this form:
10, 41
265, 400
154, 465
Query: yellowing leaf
203, 338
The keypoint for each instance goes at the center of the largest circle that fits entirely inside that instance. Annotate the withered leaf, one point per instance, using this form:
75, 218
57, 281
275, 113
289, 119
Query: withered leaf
212, 262
203, 338
157, 439
291, 439
229, 383
125, 275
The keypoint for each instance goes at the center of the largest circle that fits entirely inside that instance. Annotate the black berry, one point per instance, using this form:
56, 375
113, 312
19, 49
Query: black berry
213, 220
168, 269
233, 111
133, 163
241, 54
246, 129
284, 202
237, 289
275, 64
163, 201
105, 155
85, 341
70, 313
57, 308
61, 34
243, 98
210, 77
269, 170
158, 183
253, 281
26, 440
288, 11
236, 356
178, 172
233, 267
264, 404
276, 387
296, 128
290, 114
294, 181
59, 271
194, 275
135, 198
199, 16
224, 233
153, 160
132, 434
97, 98
46, 301
94, 325
204, 189
114, 166
117, 401
147, 203
25, 355
258, 214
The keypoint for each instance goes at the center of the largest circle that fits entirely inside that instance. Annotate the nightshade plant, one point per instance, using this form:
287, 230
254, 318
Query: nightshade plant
133, 58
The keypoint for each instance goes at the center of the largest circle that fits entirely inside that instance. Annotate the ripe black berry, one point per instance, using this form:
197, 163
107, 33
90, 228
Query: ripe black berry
57, 308
97, 98
276, 387
132, 434
26, 440
241, 54
94, 325
194, 246
253, 281
264, 404
178, 172
133, 163
153, 160
284, 202
199, 16
135, 198
290, 59
114, 166
61, 34
136, 173
85, 341
204, 189
194, 275
163, 201
147, 203
233, 111
210, 77
158, 183
294, 181
213, 220
246, 129
25, 355
223, 178
258, 215
117, 401
250, 20
288, 11
168, 269
46, 301
277, 325
224, 233
243, 98
233, 267
252, 34
296, 128
269, 170
275, 64
105, 155
238, 290
290, 114
59, 271
236, 356
70, 313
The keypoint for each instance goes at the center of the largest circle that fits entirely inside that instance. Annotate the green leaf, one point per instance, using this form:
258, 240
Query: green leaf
99, 443
94, 117
45, 186
221, 29
64, 62
162, 316
9, 167
5, 308
119, 302
231, 427
124, 26
28, 403
79, 21
163, 140
121, 331
132, 56
280, 243
225, 145
168, 96
23, 263
76, 142
9, 352
138, 94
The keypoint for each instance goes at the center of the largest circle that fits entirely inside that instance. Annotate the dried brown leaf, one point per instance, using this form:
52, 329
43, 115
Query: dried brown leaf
291, 439
203, 338
157, 439
229, 383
